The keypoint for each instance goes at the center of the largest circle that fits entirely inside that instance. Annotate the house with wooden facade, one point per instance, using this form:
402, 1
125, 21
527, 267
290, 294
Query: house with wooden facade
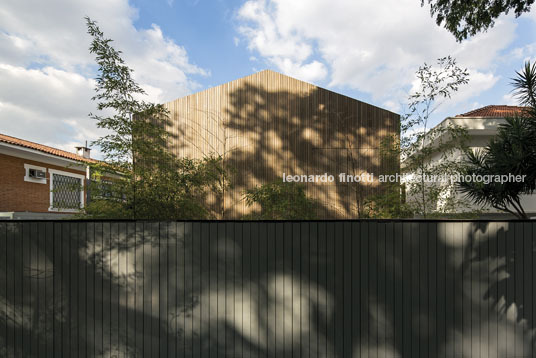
268, 125
41, 182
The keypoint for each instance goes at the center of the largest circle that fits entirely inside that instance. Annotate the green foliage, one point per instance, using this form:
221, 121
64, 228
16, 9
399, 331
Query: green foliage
525, 86
390, 202
432, 152
466, 18
511, 151
139, 178
280, 200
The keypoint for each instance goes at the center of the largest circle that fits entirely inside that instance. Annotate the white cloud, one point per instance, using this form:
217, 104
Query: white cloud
374, 47
525, 53
278, 42
478, 82
46, 68
510, 100
48, 105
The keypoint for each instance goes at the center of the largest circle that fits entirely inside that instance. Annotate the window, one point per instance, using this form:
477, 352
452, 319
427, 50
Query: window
66, 191
35, 174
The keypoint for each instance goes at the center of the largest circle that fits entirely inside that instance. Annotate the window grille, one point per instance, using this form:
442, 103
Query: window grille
66, 192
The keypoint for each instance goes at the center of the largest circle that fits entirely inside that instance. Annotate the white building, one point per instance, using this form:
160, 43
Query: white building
481, 125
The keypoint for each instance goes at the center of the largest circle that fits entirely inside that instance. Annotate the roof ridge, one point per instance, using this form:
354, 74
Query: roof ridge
494, 110
43, 148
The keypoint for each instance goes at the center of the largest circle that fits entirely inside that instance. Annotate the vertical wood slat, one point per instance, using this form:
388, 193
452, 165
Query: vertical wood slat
163, 280
174, 268
433, 282
519, 278
246, 290
146, 289
232, 251
532, 236
4, 289
407, 291
302, 266
381, 289
106, 288
221, 119
296, 302
492, 284
423, 293
372, 298
194, 300
315, 262
347, 289
115, 258
37, 272
413, 297
130, 286
528, 273
357, 298
288, 291
90, 289
338, 240
26, 287
203, 272
154, 290
74, 307
279, 262
10, 287
184, 251
239, 305
81, 282
264, 254
303, 269
225, 231
398, 265
484, 317
364, 286
323, 298
271, 277
57, 289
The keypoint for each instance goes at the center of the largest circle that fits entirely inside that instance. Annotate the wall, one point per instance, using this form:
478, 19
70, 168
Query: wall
267, 289
480, 131
19, 195
268, 124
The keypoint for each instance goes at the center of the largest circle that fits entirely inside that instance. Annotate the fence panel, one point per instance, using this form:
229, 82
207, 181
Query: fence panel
267, 289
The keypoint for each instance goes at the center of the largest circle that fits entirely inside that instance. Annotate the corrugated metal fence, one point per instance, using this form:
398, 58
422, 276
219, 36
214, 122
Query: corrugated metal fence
267, 289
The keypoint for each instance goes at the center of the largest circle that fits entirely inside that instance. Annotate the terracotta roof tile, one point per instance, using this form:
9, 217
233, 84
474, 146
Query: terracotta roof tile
43, 148
495, 111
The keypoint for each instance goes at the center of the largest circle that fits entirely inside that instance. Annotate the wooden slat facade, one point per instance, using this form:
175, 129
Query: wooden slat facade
267, 124
267, 289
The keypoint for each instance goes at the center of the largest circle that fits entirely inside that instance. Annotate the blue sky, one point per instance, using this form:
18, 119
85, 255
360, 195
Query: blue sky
368, 50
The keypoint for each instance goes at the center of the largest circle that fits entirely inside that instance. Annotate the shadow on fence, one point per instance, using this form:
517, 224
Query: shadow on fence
265, 289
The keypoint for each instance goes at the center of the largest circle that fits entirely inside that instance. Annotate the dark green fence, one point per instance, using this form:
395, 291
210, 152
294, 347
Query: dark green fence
266, 289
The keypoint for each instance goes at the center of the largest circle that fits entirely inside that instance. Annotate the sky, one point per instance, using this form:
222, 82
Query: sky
366, 49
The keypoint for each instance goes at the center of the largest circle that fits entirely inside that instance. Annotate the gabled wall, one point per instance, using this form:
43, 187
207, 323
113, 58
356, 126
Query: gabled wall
268, 124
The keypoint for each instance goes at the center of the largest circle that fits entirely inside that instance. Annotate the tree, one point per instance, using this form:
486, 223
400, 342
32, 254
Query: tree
429, 155
511, 151
280, 200
466, 18
390, 203
139, 178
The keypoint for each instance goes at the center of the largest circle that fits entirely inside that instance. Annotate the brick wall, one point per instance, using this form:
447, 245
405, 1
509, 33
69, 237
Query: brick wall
19, 195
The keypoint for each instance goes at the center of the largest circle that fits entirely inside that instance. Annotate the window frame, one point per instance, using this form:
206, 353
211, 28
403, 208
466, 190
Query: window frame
69, 174
29, 179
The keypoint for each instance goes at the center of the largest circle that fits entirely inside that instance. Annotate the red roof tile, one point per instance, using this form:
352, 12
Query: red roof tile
495, 111
43, 148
